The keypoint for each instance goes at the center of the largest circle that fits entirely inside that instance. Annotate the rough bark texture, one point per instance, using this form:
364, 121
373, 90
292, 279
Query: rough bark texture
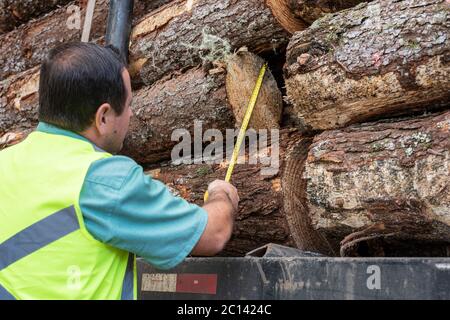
373, 189
27, 46
142, 7
14, 12
242, 73
376, 60
260, 219
18, 106
311, 10
175, 103
179, 36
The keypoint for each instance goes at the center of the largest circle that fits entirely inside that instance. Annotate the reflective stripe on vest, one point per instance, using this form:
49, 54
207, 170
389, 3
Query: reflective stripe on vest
5, 295
38, 235
41, 234
46, 252
128, 280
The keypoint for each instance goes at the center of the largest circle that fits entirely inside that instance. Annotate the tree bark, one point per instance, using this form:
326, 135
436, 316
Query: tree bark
376, 60
13, 12
311, 10
145, 6
260, 218
178, 36
175, 103
27, 46
374, 189
179, 99
18, 106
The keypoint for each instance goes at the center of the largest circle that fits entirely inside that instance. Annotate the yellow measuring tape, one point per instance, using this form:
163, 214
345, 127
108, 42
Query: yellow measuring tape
245, 121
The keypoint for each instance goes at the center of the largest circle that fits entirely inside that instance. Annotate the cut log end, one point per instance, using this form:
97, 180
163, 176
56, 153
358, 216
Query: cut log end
242, 73
285, 16
295, 208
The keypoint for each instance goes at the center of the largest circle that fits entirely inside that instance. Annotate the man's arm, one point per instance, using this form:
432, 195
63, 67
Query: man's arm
221, 208
126, 209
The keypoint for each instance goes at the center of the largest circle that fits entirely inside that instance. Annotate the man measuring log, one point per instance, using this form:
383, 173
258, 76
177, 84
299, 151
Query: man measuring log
73, 214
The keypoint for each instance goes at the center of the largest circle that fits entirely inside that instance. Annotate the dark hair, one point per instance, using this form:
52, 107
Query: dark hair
75, 80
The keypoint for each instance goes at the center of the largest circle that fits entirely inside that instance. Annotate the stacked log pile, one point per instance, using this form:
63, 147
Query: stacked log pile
360, 91
379, 188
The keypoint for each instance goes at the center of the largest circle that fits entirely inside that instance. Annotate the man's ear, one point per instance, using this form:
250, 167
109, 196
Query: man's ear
104, 118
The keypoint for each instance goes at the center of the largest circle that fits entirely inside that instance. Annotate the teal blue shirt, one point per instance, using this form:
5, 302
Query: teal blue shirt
127, 209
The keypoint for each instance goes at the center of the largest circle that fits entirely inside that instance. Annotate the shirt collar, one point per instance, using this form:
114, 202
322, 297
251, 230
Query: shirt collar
52, 129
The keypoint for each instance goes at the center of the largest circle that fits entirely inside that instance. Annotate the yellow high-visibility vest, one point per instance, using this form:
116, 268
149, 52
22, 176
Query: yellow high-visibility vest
45, 250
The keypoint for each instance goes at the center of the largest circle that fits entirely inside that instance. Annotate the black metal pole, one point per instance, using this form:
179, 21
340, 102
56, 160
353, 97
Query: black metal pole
119, 25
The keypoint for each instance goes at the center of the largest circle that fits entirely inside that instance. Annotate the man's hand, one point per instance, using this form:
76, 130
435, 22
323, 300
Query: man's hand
221, 207
217, 187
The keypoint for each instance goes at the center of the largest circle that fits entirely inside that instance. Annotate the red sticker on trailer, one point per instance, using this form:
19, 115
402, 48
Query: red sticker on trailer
197, 283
